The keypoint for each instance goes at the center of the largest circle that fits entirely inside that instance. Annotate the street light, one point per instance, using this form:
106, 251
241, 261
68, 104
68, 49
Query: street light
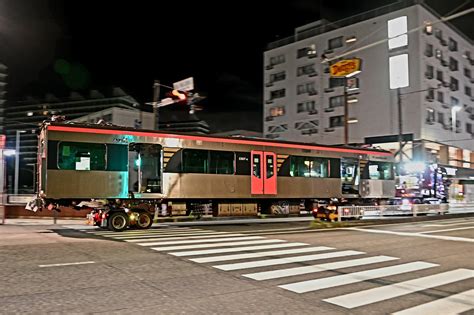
454, 110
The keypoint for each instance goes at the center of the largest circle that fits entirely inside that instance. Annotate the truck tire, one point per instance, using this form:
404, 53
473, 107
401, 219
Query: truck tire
118, 221
144, 221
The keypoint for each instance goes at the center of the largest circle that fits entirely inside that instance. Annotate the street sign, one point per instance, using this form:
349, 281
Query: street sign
345, 68
184, 85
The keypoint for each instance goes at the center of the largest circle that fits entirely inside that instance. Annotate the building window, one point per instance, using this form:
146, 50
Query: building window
277, 60
452, 45
309, 51
429, 72
306, 70
469, 128
454, 84
381, 170
335, 82
195, 161
336, 121
439, 75
454, 101
438, 54
308, 87
280, 128
334, 43
429, 50
467, 72
467, 90
308, 106
438, 33
277, 111
277, 94
336, 101
430, 115
453, 64
280, 76
352, 84
397, 32
441, 118
430, 95
440, 97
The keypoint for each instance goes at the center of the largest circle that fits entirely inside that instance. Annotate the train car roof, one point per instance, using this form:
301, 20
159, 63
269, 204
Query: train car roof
119, 130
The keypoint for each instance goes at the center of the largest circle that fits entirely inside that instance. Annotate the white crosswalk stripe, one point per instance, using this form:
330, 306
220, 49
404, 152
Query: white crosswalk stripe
194, 246
235, 249
398, 289
198, 233
136, 232
282, 261
281, 273
455, 304
175, 238
260, 254
216, 240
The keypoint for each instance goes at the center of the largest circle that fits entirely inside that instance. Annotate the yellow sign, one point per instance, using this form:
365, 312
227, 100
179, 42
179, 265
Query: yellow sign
344, 68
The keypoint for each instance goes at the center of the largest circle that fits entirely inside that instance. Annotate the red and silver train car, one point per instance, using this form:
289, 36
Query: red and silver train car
134, 172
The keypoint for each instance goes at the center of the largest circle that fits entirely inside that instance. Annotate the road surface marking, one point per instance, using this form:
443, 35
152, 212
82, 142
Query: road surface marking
454, 304
167, 235
235, 249
450, 224
175, 238
289, 260
331, 282
217, 240
172, 248
399, 289
439, 237
135, 232
67, 264
448, 230
274, 274
261, 254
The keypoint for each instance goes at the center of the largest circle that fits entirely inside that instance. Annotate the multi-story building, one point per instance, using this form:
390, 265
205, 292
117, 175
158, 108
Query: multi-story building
303, 103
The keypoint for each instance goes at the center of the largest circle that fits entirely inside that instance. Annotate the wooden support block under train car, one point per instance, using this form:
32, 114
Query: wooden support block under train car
236, 209
223, 210
249, 209
178, 208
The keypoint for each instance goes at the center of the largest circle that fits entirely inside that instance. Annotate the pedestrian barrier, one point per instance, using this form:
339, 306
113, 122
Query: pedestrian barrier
357, 212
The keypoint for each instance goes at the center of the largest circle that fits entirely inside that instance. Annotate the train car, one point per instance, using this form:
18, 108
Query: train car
127, 174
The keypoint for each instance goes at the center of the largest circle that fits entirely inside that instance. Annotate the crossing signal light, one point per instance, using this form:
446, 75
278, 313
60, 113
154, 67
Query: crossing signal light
177, 96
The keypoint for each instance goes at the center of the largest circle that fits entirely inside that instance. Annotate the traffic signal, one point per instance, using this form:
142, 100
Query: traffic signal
178, 96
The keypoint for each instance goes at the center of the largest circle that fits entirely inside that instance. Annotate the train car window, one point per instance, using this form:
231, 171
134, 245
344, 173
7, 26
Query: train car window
380, 170
195, 161
52, 155
82, 156
306, 166
117, 157
221, 162
256, 165
242, 163
270, 166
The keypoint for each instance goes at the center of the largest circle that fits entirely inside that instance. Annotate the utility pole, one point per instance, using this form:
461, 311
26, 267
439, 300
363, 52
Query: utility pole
156, 97
400, 131
346, 114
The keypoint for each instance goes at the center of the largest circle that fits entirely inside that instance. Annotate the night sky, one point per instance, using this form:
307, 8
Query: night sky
55, 46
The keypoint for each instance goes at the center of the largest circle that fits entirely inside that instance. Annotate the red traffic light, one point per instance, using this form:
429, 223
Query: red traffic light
177, 96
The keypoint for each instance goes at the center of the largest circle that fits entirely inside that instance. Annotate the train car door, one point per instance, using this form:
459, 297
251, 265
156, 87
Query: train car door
145, 174
264, 177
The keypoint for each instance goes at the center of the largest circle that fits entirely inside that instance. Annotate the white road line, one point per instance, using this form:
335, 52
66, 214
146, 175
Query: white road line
172, 248
448, 230
261, 254
438, 237
399, 289
67, 264
331, 282
167, 235
454, 304
275, 274
450, 224
289, 260
144, 231
175, 238
235, 249
217, 240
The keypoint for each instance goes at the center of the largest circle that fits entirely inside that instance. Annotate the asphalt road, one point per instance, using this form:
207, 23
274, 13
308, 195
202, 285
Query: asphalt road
276, 268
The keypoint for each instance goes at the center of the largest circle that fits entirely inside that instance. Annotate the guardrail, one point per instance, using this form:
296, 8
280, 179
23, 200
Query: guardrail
357, 212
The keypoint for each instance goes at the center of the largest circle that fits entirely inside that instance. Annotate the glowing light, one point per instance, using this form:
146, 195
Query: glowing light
398, 68
413, 167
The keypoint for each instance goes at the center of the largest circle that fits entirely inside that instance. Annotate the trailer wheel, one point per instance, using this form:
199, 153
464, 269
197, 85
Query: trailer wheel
144, 220
118, 221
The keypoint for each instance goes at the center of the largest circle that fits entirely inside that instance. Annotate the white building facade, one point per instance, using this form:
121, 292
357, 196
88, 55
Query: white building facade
302, 103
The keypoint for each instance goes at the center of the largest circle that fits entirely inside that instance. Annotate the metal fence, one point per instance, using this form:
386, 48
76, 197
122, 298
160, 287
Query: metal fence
357, 212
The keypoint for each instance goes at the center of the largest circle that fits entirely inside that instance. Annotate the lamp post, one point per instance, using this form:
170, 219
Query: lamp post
17, 160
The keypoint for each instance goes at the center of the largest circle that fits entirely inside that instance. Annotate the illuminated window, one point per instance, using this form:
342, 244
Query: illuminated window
335, 42
438, 54
397, 29
277, 111
430, 115
398, 68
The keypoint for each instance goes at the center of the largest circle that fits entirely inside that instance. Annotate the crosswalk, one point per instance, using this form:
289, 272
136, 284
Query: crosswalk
261, 258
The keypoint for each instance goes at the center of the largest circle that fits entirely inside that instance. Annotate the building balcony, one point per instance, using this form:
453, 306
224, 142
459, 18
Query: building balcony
429, 98
330, 129
268, 84
329, 109
269, 118
270, 101
269, 67
443, 42
429, 75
